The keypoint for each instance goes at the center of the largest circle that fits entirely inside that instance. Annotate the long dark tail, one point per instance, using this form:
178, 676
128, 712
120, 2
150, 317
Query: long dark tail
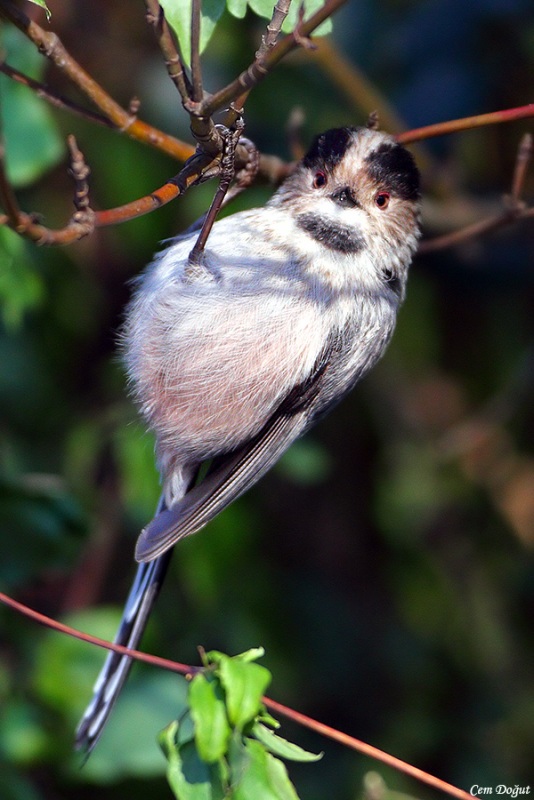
113, 674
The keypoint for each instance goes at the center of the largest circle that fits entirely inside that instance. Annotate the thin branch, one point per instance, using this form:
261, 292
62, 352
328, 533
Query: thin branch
273, 705
80, 224
524, 155
475, 230
138, 208
227, 172
466, 123
514, 208
196, 69
171, 54
259, 69
80, 172
56, 100
366, 749
60, 627
274, 27
50, 45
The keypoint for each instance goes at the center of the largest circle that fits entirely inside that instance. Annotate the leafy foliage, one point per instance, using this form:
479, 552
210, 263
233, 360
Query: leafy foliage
178, 14
386, 563
32, 141
223, 744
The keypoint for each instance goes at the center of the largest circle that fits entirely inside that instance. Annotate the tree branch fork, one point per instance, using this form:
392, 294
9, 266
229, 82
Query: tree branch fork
204, 162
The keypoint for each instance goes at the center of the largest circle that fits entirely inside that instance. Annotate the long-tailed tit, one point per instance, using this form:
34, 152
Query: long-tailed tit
233, 358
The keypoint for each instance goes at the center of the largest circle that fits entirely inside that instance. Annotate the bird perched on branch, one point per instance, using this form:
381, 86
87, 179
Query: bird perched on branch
233, 356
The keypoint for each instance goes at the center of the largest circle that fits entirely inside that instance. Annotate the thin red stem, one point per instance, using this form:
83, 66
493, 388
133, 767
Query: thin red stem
296, 716
465, 123
366, 749
42, 619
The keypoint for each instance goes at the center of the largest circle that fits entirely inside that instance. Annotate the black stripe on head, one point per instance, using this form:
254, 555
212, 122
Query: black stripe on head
332, 235
392, 166
328, 148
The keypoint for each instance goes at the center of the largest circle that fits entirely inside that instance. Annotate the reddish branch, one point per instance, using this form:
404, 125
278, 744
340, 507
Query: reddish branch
466, 123
201, 107
289, 713
514, 208
50, 45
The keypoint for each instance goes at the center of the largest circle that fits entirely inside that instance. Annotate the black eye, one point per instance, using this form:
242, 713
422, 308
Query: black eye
382, 200
319, 179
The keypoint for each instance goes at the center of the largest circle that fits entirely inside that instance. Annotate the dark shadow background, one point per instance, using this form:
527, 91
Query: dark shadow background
386, 563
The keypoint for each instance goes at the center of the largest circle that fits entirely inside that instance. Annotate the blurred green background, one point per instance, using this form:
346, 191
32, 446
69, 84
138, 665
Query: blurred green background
386, 563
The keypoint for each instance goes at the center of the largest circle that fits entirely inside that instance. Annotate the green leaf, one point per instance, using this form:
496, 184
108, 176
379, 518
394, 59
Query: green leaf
189, 777
208, 711
33, 143
251, 655
43, 5
215, 656
21, 286
257, 774
237, 8
264, 8
244, 684
281, 747
178, 15
128, 750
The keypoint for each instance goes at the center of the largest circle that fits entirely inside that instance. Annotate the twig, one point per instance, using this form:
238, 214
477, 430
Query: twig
273, 705
50, 45
80, 172
57, 100
354, 85
524, 154
227, 172
138, 655
366, 749
80, 224
196, 69
259, 69
514, 208
274, 27
172, 56
474, 231
465, 123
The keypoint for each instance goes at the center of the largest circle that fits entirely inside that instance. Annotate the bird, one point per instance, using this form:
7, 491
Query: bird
234, 355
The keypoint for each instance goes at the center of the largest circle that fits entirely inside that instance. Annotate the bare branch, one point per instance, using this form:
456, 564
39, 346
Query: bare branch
196, 69
171, 54
466, 123
274, 27
259, 69
514, 208
56, 100
49, 44
80, 172
227, 172
524, 155
474, 231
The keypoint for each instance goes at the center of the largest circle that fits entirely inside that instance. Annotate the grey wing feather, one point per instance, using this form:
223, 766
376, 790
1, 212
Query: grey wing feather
233, 476
237, 471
